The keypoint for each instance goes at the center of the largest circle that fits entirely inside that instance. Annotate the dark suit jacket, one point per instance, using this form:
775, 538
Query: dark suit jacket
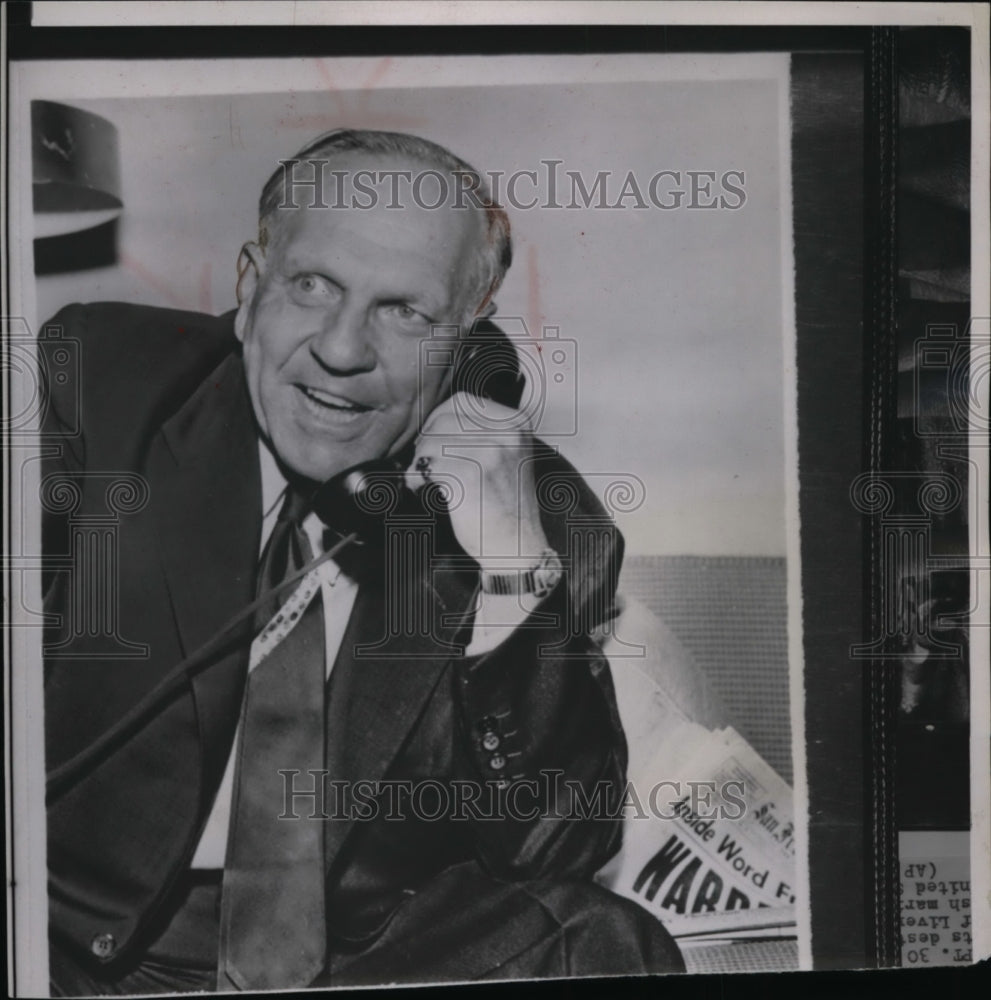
162, 394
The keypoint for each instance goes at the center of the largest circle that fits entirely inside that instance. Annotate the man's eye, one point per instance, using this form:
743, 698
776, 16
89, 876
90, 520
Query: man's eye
311, 286
405, 316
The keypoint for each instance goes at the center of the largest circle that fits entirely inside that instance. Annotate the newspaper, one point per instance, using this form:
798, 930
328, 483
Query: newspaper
709, 839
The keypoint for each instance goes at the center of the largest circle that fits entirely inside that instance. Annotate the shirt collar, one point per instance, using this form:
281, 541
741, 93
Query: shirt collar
274, 486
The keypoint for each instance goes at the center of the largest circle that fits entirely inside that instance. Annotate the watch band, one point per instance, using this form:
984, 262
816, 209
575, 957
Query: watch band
538, 580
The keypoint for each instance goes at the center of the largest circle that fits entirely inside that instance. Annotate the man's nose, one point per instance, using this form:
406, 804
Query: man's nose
344, 342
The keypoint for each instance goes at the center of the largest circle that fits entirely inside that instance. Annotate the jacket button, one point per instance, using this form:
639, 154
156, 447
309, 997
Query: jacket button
497, 762
490, 741
103, 945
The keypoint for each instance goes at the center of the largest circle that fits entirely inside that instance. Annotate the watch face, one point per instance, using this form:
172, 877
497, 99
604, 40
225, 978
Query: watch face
547, 574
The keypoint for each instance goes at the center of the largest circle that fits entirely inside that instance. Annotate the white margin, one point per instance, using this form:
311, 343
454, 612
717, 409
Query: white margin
188, 13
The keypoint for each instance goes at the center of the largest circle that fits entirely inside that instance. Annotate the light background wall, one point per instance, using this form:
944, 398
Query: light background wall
677, 315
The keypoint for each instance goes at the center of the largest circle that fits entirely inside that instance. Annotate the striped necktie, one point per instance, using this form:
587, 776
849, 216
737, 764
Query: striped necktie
273, 932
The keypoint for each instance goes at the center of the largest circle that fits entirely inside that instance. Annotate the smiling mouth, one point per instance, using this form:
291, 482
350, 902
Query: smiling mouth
326, 404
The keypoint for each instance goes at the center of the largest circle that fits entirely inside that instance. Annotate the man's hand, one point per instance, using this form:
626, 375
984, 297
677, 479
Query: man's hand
488, 473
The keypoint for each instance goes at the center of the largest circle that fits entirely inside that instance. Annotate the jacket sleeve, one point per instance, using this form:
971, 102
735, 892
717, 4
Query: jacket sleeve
539, 726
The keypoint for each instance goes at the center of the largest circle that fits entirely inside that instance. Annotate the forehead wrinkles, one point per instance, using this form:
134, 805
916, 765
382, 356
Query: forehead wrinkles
338, 175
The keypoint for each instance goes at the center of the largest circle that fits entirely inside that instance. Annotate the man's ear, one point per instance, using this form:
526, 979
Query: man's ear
250, 264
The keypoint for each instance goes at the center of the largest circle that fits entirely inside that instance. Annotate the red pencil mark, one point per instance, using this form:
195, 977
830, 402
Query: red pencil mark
379, 70
136, 267
233, 131
328, 78
203, 299
354, 119
354, 106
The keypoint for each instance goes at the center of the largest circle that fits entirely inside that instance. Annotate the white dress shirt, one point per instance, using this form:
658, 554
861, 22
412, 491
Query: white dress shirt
496, 616
338, 592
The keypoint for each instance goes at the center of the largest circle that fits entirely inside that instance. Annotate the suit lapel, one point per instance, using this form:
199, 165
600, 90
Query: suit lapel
208, 484
383, 677
205, 468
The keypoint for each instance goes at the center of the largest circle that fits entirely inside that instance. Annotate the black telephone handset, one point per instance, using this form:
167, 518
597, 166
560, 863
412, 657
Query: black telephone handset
353, 504
359, 498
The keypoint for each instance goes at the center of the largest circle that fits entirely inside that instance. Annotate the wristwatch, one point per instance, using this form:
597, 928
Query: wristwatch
538, 580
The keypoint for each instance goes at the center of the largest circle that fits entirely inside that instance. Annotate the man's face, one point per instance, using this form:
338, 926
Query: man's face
331, 317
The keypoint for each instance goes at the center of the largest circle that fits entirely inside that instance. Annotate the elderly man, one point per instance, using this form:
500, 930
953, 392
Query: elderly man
320, 794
